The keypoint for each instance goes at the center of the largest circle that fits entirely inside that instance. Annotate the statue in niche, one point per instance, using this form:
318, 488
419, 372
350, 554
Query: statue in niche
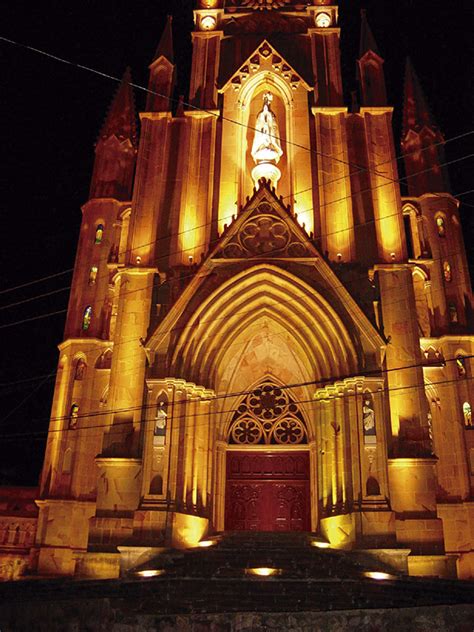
266, 145
368, 419
160, 425
81, 368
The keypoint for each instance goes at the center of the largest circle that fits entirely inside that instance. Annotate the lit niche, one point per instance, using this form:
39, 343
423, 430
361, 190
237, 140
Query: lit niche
266, 147
323, 20
208, 23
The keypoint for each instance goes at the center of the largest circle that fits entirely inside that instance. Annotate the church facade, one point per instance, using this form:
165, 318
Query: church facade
269, 327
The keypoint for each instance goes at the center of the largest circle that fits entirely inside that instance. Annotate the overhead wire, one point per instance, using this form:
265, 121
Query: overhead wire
360, 169
239, 394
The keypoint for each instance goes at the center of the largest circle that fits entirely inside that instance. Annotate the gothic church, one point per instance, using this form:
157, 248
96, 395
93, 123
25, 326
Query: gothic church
264, 332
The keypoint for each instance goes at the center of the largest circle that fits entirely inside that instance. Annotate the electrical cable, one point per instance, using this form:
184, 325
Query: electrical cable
323, 381
133, 423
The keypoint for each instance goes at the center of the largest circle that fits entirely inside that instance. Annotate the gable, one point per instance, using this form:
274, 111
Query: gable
265, 58
266, 229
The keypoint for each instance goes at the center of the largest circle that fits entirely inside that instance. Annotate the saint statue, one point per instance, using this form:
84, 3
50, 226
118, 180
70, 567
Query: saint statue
160, 425
368, 420
266, 145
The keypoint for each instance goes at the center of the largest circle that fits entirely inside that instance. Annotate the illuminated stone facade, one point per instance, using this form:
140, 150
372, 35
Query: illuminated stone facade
305, 348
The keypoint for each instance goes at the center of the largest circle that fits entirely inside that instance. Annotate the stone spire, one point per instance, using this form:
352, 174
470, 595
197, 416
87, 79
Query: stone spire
162, 73
422, 141
367, 39
121, 117
115, 150
165, 45
370, 68
416, 113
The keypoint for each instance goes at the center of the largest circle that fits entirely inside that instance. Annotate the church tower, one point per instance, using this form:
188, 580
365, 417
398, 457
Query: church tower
264, 333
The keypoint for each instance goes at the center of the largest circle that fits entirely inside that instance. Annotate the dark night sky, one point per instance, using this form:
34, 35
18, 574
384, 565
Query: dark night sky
51, 116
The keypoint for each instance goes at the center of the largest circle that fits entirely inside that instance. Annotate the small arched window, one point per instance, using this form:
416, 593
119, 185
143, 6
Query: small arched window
448, 275
73, 415
99, 233
453, 313
467, 414
93, 275
86, 318
161, 418
461, 365
441, 227
67, 462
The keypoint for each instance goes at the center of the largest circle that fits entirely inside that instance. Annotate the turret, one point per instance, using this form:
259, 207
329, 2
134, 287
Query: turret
116, 147
370, 68
162, 73
422, 141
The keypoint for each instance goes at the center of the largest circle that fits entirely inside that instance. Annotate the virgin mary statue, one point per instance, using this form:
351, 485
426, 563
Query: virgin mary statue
266, 145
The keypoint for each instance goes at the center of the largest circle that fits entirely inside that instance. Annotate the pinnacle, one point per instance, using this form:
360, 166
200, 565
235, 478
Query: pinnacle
165, 45
416, 113
367, 39
120, 120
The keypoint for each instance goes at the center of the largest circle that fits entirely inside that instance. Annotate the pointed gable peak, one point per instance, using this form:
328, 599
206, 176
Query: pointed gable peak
165, 45
265, 58
416, 113
264, 228
120, 120
367, 39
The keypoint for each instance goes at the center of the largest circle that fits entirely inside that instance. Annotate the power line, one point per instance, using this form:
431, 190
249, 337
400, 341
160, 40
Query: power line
218, 115
323, 382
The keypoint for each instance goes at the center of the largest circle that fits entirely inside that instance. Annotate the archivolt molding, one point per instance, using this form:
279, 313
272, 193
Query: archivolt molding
265, 290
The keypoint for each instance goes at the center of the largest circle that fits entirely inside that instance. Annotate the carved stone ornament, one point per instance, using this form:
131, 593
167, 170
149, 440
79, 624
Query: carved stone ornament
264, 234
268, 415
261, 5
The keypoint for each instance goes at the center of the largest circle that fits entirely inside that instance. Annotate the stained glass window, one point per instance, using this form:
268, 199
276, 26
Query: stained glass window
268, 415
93, 275
99, 233
467, 414
73, 415
440, 225
87, 317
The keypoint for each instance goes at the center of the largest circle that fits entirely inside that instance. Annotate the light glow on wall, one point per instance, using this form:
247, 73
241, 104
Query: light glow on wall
263, 571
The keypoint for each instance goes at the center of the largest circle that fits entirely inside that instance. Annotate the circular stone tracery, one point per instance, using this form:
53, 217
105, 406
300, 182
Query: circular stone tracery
267, 415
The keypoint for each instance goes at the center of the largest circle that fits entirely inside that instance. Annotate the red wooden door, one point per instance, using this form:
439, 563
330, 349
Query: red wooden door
267, 491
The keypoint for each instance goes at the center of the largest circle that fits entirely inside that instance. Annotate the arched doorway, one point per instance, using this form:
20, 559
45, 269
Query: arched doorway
267, 463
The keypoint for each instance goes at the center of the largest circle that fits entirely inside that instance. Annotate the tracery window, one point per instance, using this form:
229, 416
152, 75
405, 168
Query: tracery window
268, 415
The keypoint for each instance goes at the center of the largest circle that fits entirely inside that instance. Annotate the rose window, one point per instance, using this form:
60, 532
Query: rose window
268, 415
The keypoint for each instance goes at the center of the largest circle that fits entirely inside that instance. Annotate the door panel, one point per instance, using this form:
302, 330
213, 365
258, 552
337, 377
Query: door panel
267, 492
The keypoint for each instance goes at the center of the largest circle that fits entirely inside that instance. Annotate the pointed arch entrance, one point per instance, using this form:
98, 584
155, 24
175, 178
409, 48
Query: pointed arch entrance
267, 463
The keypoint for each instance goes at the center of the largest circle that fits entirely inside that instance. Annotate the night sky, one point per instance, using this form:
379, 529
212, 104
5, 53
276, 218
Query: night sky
51, 117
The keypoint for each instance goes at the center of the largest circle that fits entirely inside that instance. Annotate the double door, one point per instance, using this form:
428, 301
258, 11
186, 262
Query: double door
267, 491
